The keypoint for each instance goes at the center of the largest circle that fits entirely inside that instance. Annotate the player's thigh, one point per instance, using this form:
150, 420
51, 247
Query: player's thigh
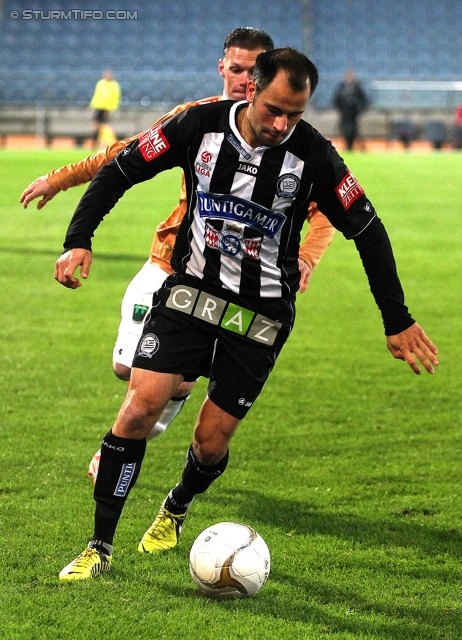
135, 306
172, 342
240, 370
137, 299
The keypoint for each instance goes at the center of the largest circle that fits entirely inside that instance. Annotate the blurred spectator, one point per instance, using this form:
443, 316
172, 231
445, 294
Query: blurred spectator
106, 99
405, 131
436, 132
350, 100
458, 128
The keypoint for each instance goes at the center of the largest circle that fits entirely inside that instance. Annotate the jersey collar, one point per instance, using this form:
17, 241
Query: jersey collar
232, 123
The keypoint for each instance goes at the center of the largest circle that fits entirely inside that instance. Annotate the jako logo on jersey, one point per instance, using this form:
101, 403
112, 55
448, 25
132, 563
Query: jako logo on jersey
349, 190
237, 145
148, 346
288, 185
245, 167
228, 207
153, 143
112, 446
244, 403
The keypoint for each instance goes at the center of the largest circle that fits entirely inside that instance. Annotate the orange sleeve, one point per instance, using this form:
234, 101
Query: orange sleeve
165, 235
83, 171
318, 238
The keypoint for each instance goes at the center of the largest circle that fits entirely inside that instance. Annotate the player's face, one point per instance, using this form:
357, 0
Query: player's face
273, 112
236, 68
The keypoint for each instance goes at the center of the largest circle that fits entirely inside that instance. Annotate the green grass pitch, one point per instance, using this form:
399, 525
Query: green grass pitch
348, 465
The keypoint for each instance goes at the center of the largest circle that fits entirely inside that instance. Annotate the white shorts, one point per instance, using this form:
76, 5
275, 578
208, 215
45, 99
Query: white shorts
136, 303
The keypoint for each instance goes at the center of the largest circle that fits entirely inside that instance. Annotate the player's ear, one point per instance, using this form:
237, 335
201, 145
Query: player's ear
251, 88
221, 67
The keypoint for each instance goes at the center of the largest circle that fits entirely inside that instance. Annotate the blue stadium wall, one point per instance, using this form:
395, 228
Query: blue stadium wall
167, 52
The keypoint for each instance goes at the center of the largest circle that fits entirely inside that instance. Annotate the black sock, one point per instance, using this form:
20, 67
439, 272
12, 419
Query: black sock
196, 478
118, 471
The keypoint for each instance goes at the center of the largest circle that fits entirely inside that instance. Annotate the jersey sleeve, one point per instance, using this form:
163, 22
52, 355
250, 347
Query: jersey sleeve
379, 264
157, 150
83, 171
340, 196
342, 199
77, 173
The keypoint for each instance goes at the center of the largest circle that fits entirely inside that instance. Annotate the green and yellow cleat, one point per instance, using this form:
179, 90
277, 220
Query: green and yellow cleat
89, 564
164, 532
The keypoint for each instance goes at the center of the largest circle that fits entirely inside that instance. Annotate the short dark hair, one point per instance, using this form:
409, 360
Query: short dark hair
248, 38
298, 67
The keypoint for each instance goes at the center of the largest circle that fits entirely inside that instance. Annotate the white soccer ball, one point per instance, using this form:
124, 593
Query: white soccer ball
229, 560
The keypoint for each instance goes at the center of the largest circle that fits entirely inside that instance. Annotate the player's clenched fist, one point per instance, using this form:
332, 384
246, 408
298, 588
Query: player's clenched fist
68, 263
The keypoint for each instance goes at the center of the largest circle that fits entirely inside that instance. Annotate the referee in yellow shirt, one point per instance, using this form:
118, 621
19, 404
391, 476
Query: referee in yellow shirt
106, 99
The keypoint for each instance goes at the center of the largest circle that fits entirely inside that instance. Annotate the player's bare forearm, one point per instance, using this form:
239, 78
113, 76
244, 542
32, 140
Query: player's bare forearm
413, 343
37, 188
67, 264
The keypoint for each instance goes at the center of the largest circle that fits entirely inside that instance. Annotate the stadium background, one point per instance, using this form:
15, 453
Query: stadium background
349, 466
406, 52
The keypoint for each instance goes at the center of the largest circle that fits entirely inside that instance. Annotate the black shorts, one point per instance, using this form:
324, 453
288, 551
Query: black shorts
237, 365
101, 116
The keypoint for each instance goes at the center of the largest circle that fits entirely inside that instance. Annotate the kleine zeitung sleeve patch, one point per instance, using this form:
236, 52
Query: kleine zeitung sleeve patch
349, 190
153, 143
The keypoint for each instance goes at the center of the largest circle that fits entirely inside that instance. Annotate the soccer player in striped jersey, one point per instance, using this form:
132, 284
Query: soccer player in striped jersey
228, 308
240, 51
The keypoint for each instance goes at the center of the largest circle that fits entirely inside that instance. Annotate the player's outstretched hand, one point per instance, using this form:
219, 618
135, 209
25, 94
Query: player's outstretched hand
68, 263
40, 187
413, 343
305, 274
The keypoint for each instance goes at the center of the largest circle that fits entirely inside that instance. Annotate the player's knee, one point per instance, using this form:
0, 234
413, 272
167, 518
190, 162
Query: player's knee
184, 389
137, 417
121, 371
210, 449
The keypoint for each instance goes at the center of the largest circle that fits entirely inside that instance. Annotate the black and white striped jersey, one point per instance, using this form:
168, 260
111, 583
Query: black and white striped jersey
246, 207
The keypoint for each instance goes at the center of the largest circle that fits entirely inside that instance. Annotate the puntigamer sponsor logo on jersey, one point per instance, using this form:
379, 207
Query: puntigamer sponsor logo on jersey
153, 143
228, 207
349, 190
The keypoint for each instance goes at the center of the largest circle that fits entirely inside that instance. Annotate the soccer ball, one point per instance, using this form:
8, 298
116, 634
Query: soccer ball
229, 560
